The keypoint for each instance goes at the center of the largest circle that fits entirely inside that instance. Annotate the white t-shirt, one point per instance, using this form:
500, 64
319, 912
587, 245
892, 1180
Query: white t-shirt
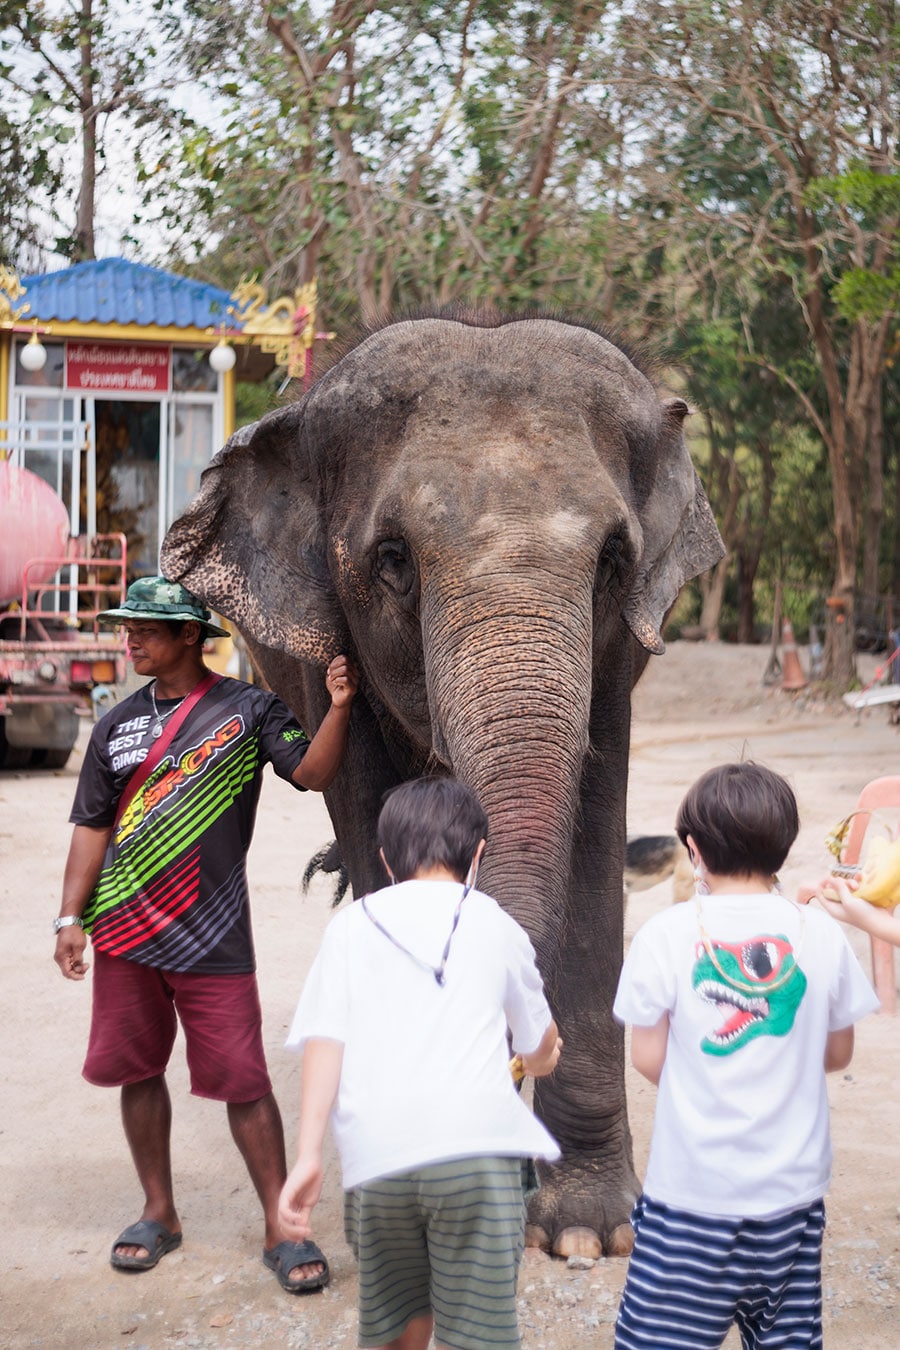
425, 1074
741, 1125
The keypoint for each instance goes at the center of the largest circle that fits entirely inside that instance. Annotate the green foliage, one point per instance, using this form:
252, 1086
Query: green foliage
862, 294
253, 401
70, 75
872, 196
717, 182
25, 172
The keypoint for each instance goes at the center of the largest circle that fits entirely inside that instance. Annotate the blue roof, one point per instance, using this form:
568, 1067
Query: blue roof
113, 290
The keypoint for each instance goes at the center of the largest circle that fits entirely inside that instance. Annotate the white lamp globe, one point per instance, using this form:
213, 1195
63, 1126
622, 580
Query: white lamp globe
222, 357
33, 355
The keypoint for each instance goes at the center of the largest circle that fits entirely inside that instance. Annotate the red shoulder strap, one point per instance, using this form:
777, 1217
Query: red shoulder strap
159, 748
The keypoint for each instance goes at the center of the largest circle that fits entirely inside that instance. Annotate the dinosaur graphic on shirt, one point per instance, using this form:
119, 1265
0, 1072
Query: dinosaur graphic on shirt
756, 984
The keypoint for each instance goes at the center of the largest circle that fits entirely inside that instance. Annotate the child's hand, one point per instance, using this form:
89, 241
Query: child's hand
836, 896
828, 894
546, 1057
299, 1194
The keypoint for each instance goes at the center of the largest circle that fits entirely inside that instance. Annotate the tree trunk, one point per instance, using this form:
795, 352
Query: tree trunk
848, 464
871, 543
895, 555
840, 641
711, 613
746, 575
83, 243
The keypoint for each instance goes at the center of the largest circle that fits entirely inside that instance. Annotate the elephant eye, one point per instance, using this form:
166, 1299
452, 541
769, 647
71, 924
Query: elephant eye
394, 565
612, 562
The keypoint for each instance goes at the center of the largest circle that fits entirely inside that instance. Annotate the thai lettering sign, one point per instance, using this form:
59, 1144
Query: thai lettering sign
124, 368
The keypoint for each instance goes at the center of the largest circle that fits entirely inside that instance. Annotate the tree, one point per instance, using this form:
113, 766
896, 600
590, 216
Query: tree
419, 153
811, 90
26, 172
78, 70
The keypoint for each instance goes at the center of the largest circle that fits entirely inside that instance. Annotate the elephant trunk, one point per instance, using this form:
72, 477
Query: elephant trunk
510, 698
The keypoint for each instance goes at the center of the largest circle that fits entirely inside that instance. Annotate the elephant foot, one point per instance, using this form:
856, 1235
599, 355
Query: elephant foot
580, 1211
581, 1241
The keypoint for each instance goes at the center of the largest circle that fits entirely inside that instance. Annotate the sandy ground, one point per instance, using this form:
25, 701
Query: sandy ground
67, 1182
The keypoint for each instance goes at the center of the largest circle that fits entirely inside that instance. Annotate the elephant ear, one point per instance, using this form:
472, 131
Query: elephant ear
251, 544
681, 538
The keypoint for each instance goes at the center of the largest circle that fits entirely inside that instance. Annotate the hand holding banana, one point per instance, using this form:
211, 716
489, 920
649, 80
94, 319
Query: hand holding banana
879, 880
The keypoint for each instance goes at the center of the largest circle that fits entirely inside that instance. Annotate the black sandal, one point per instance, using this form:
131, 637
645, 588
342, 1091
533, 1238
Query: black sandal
145, 1233
287, 1256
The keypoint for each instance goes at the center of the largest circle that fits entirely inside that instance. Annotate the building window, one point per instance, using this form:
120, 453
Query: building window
192, 373
50, 376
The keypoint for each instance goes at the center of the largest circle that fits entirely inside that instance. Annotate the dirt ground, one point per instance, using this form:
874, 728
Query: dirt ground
67, 1181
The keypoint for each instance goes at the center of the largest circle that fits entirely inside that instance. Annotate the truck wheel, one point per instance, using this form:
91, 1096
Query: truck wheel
13, 756
51, 759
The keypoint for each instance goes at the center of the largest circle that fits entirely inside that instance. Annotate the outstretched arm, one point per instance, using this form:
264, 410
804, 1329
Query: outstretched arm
85, 859
318, 767
849, 908
319, 1081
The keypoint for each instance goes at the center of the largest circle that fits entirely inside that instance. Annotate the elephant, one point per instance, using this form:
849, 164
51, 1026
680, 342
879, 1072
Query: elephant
492, 515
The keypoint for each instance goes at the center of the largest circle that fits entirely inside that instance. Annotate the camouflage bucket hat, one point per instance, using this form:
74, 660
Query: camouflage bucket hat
156, 598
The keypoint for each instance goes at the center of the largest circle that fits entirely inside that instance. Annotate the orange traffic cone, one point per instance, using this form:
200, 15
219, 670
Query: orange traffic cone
793, 677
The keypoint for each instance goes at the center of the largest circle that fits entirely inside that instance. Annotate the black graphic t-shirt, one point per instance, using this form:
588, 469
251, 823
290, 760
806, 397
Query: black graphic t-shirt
173, 889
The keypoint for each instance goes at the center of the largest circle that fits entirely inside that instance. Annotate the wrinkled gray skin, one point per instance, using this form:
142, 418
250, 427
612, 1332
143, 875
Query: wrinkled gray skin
493, 522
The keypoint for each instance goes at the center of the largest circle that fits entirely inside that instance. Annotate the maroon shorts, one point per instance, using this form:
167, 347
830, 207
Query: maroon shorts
133, 1024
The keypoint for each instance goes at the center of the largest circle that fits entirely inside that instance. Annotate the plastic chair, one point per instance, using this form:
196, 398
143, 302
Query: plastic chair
882, 794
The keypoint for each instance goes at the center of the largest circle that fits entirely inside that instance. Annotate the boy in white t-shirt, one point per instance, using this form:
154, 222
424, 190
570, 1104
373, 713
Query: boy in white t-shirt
740, 1002
404, 1020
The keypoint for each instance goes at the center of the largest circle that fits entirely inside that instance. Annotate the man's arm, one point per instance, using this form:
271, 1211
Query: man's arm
86, 853
648, 1048
319, 1081
318, 767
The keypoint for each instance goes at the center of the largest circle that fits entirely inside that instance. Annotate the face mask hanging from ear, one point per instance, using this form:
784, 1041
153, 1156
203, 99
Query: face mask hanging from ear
700, 882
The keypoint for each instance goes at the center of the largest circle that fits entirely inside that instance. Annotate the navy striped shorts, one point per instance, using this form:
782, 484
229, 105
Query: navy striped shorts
692, 1276
443, 1240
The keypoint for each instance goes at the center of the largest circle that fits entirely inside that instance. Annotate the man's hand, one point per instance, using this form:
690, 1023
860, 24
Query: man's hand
83, 864
69, 954
318, 767
341, 681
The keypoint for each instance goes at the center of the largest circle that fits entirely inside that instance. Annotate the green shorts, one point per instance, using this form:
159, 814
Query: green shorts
443, 1240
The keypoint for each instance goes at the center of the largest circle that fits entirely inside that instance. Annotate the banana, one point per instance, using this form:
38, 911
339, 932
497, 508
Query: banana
880, 877
517, 1068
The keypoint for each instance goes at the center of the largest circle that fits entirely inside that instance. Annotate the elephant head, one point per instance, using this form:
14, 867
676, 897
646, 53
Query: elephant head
493, 518
481, 514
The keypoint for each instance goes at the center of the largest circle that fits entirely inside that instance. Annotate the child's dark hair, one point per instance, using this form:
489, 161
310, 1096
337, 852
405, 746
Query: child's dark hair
430, 822
743, 818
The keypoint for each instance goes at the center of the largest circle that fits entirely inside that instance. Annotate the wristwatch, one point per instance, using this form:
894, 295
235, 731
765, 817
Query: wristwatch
66, 921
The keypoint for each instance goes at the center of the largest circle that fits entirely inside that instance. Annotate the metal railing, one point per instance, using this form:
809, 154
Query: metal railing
96, 581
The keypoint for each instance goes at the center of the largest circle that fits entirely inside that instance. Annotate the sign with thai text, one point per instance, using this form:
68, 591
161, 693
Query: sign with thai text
117, 367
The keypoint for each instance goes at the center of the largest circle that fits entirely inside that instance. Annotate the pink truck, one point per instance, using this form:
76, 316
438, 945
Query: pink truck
55, 663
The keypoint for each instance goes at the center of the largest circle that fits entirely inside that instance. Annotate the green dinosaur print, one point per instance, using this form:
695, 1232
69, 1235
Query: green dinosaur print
756, 985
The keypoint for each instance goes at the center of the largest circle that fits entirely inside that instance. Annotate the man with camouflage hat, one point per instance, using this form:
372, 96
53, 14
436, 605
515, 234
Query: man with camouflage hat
156, 873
